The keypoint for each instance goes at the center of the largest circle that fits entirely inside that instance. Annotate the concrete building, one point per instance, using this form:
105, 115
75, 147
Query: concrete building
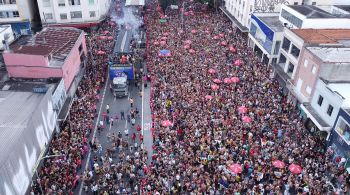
19, 14
6, 36
328, 99
52, 53
340, 135
74, 13
28, 121
290, 62
265, 36
308, 16
326, 2
239, 11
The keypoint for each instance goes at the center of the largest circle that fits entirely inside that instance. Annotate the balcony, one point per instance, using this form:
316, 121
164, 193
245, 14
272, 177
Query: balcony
279, 69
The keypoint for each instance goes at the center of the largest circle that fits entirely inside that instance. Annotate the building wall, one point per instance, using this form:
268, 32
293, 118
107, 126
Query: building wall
337, 141
329, 98
8, 33
307, 73
331, 23
99, 7
71, 66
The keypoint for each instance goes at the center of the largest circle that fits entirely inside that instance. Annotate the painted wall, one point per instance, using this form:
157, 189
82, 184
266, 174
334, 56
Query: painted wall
15, 59
33, 72
329, 98
8, 33
16, 173
336, 140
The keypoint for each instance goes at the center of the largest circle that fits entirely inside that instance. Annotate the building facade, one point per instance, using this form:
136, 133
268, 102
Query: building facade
52, 53
76, 13
19, 14
340, 135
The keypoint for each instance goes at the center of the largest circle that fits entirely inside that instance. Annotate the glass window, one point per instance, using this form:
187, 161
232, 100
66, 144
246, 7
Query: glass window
91, 2
76, 14
74, 2
291, 18
15, 14
305, 63
330, 110
295, 51
320, 100
46, 3
313, 70
295, 3
63, 16
283, 59
92, 14
61, 3
277, 47
314, 3
343, 128
286, 44
2, 15
290, 68
48, 16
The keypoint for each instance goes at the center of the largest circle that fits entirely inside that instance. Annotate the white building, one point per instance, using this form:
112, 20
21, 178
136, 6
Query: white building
6, 34
326, 2
18, 13
328, 98
78, 13
239, 11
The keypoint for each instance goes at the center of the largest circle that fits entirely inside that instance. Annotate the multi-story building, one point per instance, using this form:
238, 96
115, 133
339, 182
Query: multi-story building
239, 11
74, 13
340, 135
58, 52
19, 14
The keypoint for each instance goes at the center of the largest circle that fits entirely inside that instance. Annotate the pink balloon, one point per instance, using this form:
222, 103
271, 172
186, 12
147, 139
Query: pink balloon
242, 109
227, 80
246, 119
238, 62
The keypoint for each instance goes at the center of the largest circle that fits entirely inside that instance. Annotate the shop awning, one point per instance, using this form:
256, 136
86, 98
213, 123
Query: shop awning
312, 114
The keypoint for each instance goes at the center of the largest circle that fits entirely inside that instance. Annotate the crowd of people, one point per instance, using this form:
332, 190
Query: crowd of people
59, 173
206, 133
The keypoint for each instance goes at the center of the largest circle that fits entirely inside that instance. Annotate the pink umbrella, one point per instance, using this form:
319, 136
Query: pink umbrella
192, 51
223, 43
167, 123
214, 87
165, 34
186, 46
235, 79
227, 80
217, 81
238, 62
246, 119
208, 97
186, 13
162, 42
232, 49
193, 31
156, 43
163, 38
235, 168
101, 52
102, 37
221, 35
188, 42
278, 164
110, 38
216, 37
295, 169
242, 109
212, 71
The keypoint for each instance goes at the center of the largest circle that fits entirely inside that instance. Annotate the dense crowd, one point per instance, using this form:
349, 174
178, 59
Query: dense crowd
193, 154
59, 174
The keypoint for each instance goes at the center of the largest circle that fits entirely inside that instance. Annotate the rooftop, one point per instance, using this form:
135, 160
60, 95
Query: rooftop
4, 27
323, 36
343, 7
273, 22
310, 11
331, 54
28, 85
56, 42
343, 90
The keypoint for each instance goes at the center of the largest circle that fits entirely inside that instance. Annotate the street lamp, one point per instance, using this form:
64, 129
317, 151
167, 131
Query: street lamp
37, 164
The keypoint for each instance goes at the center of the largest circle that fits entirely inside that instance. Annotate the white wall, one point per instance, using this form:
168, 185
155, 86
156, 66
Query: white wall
327, 2
24, 7
6, 32
329, 98
100, 7
332, 23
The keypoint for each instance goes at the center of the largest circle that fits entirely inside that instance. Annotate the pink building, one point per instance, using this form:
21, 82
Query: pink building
51, 53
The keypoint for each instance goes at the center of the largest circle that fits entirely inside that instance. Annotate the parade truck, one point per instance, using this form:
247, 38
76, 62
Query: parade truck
121, 69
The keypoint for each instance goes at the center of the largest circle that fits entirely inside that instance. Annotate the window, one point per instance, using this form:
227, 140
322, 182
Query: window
15, 14
291, 18
277, 47
295, 51
290, 68
63, 16
2, 15
283, 59
92, 14
314, 3
46, 3
295, 3
330, 110
305, 63
48, 16
286, 44
313, 70
74, 2
76, 14
343, 128
61, 3
91, 2
320, 100
3, 2
308, 90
